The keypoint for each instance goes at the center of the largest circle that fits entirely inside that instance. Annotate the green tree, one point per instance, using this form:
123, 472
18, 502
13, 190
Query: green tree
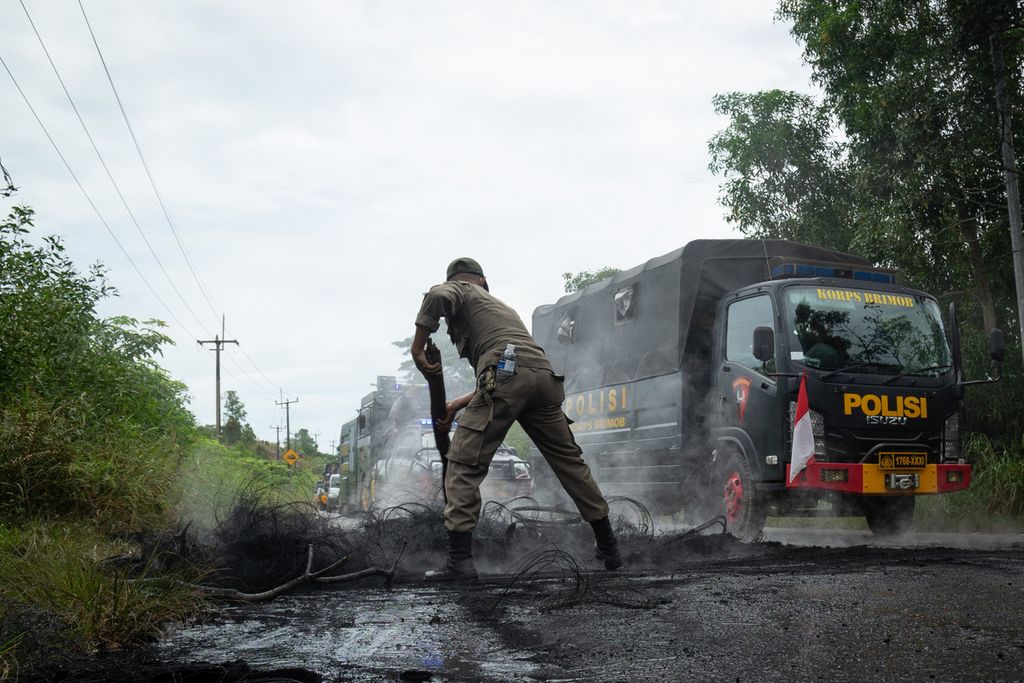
784, 173
914, 94
235, 411
574, 282
303, 442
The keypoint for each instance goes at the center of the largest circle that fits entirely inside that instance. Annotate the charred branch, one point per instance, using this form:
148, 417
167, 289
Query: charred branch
307, 577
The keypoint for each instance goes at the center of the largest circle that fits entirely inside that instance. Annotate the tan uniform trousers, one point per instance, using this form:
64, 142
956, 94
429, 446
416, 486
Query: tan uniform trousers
534, 397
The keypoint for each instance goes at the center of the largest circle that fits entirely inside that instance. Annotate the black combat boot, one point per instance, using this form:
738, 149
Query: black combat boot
459, 566
607, 546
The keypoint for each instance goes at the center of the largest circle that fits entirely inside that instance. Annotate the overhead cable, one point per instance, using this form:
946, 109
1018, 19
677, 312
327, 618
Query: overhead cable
110, 176
149, 174
256, 367
255, 387
88, 199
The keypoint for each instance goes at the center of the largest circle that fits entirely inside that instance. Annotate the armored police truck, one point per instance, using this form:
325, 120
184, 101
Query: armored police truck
683, 375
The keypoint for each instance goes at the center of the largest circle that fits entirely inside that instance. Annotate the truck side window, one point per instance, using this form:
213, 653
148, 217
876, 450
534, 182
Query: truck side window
741, 319
567, 327
625, 303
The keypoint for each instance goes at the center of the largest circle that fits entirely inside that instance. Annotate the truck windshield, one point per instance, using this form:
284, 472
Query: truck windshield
869, 332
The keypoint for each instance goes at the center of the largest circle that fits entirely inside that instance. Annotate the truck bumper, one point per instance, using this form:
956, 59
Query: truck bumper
871, 479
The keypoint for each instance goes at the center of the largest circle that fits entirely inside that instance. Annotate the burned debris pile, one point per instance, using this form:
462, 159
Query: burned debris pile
260, 548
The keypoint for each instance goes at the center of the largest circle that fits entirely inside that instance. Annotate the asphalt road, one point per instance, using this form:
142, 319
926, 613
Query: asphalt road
845, 538
822, 605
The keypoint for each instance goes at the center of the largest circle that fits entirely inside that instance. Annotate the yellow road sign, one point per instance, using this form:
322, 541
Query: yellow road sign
290, 456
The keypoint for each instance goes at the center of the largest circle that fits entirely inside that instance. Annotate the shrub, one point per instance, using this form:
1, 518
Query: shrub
999, 474
90, 425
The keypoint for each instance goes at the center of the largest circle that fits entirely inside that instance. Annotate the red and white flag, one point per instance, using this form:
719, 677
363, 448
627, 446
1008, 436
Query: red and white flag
803, 434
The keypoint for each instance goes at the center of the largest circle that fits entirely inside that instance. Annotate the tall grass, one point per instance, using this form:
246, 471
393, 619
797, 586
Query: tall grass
995, 500
58, 597
58, 593
999, 474
212, 476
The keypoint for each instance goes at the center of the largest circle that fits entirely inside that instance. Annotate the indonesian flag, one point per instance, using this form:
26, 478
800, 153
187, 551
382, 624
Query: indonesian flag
803, 434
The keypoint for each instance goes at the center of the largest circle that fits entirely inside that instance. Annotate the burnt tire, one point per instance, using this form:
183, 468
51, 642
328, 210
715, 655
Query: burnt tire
743, 505
889, 516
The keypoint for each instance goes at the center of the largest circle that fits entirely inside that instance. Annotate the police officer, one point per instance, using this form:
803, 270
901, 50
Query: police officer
481, 326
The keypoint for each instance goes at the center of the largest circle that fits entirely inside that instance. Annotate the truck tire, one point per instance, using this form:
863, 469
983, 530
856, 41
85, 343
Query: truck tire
889, 516
744, 507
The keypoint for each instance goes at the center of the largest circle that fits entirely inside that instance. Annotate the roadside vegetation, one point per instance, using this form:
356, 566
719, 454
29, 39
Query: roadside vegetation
995, 500
213, 476
97, 449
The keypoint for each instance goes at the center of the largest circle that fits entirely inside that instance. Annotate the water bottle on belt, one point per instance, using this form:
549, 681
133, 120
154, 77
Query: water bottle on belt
507, 362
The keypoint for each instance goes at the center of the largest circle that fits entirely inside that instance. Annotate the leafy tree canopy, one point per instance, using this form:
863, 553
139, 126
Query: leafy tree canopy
459, 376
304, 443
574, 282
236, 430
233, 406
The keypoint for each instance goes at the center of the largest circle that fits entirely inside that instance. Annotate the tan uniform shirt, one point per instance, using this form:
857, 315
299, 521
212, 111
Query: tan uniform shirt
479, 325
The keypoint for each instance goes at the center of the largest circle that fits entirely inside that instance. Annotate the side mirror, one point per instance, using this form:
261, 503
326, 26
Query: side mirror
764, 344
998, 351
998, 346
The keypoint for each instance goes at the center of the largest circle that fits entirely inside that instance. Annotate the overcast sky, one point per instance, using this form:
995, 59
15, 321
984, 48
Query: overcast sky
324, 161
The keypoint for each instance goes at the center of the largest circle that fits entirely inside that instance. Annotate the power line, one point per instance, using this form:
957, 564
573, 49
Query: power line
274, 387
149, 174
253, 363
103, 163
156, 190
252, 387
249, 388
88, 199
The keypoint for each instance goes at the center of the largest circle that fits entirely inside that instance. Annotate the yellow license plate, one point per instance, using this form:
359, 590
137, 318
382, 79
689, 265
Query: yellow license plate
900, 461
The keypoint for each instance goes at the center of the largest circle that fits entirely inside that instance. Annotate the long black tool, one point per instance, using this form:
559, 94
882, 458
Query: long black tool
438, 410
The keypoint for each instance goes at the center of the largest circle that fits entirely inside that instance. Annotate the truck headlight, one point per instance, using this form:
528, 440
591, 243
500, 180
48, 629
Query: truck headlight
951, 439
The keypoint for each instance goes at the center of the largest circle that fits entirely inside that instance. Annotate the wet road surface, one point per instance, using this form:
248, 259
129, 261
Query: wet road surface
715, 610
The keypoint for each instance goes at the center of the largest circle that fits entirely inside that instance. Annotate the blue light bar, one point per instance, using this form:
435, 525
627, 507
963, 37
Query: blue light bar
813, 270
427, 422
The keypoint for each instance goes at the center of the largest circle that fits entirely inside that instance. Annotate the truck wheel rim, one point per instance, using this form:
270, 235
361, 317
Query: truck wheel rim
733, 497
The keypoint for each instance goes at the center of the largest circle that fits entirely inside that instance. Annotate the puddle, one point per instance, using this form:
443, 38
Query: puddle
354, 635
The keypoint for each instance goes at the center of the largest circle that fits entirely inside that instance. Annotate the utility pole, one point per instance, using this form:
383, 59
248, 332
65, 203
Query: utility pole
334, 450
1009, 174
277, 428
316, 441
287, 419
218, 346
